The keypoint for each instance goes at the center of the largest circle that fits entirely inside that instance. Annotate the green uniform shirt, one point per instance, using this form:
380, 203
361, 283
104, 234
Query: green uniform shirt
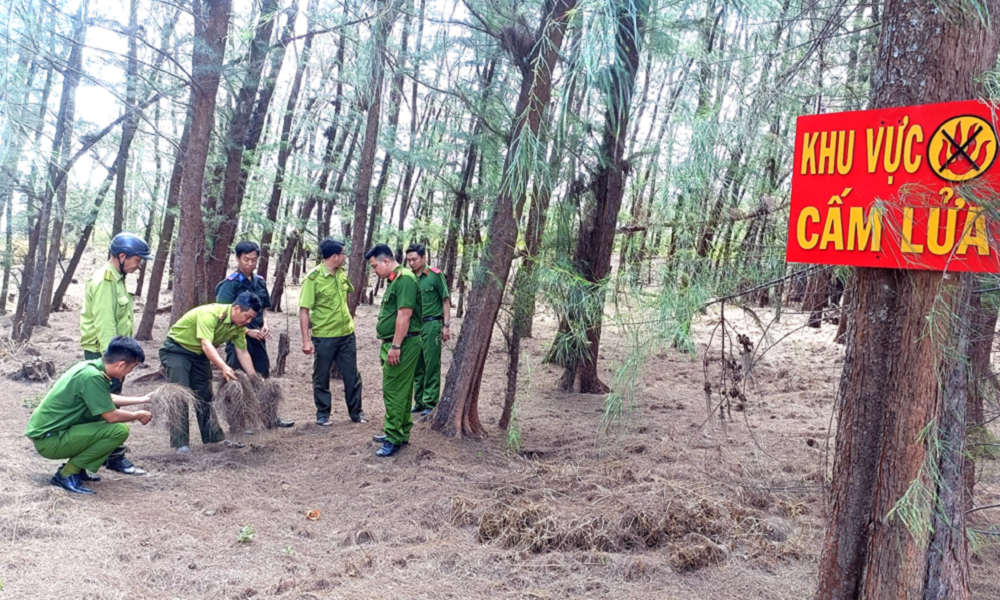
211, 322
433, 291
107, 310
81, 395
402, 292
229, 288
325, 295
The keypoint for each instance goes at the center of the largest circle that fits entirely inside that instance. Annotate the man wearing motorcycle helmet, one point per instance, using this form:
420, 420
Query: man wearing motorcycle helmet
108, 312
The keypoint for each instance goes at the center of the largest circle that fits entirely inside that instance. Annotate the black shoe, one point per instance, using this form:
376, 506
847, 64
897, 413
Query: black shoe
387, 449
426, 412
360, 419
324, 422
283, 423
84, 475
70, 483
380, 438
417, 409
122, 465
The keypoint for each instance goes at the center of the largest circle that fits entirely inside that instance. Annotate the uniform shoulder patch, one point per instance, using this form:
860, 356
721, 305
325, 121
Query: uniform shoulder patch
436, 270
233, 276
313, 274
109, 275
259, 276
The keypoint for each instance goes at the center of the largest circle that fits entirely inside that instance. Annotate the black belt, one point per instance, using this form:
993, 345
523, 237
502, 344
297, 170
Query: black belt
408, 335
433, 319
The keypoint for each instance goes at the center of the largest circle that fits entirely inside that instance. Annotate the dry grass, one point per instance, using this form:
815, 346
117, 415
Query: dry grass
269, 397
170, 404
239, 405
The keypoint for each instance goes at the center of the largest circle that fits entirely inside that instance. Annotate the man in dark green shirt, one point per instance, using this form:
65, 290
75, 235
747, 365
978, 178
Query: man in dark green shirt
188, 353
435, 330
399, 323
80, 420
328, 332
244, 279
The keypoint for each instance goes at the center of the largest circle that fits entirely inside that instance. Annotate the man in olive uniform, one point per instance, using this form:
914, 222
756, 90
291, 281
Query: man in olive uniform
107, 312
188, 353
80, 419
434, 331
399, 323
323, 308
244, 279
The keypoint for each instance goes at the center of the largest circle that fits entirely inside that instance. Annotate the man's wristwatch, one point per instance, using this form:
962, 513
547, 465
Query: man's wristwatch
446, 324
395, 347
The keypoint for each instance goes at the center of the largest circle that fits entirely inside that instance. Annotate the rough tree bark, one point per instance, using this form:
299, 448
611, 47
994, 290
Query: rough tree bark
458, 412
132, 116
211, 20
357, 267
597, 231
904, 386
237, 140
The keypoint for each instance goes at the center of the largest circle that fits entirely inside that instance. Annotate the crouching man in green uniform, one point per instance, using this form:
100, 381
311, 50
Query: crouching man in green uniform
80, 420
189, 351
435, 329
398, 329
107, 312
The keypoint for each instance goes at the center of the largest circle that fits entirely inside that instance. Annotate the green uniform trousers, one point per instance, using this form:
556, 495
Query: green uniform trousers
427, 378
193, 371
344, 351
86, 445
116, 384
397, 389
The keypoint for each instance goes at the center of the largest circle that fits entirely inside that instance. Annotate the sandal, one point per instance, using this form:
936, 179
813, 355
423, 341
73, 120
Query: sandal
232, 444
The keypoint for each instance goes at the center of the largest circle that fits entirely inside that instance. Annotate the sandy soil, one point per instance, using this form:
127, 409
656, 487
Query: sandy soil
677, 507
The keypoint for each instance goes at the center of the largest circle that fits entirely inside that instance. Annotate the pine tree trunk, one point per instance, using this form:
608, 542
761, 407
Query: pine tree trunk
58, 165
904, 388
357, 266
458, 412
284, 152
211, 18
132, 118
597, 233
237, 140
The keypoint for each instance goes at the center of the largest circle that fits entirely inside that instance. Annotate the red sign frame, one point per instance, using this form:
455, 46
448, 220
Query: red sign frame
902, 188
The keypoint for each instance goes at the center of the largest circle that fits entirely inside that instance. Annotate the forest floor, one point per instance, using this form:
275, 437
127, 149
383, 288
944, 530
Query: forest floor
677, 507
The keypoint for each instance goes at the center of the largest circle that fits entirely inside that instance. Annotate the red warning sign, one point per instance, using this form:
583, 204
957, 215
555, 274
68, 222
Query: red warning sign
905, 188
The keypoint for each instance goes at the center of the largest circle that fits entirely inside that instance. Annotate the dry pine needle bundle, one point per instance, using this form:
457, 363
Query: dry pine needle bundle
239, 405
169, 404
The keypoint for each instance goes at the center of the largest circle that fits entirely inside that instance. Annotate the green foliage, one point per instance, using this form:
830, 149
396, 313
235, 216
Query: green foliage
247, 535
32, 402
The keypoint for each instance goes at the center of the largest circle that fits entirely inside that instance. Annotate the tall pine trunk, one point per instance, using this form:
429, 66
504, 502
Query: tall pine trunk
211, 19
597, 231
458, 412
904, 387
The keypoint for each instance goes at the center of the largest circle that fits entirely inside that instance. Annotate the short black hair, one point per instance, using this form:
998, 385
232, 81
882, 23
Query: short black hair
124, 348
329, 247
248, 301
418, 248
379, 251
246, 247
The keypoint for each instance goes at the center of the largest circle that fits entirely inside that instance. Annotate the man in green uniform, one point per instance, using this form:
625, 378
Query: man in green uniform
80, 420
188, 353
323, 308
398, 328
245, 280
107, 312
435, 331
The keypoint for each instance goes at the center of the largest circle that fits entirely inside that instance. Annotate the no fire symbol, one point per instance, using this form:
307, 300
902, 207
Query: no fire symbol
962, 148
